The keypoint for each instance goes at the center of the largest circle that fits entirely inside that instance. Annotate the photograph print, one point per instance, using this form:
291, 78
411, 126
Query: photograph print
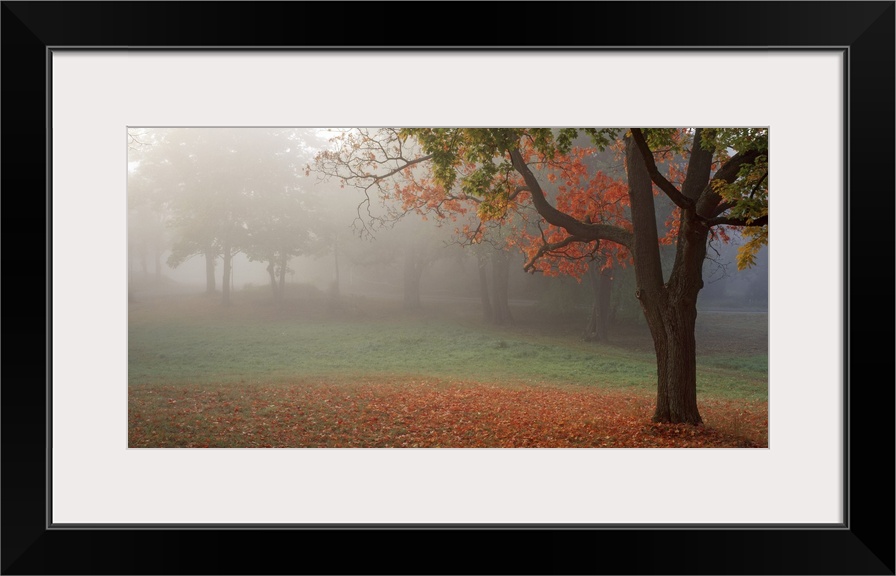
389, 287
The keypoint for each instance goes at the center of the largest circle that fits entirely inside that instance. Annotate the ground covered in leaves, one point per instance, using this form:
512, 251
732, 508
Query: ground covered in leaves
425, 413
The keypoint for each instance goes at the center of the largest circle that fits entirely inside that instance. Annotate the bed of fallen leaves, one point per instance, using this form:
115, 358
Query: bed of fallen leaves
424, 414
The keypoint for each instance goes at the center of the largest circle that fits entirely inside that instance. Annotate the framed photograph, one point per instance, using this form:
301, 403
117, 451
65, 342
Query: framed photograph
80, 497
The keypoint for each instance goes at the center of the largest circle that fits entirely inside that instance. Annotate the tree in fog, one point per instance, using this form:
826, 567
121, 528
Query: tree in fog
588, 183
493, 258
423, 245
210, 206
393, 171
283, 219
148, 205
722, 184
410, 245
225, 184
280, 225
147, 224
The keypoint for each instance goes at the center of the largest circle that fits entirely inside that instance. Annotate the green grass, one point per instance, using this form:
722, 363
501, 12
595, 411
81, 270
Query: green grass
193, 340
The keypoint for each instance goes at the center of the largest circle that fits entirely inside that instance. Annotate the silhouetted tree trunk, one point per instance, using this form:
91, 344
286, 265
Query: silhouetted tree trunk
500, 287
283, 261
599, 319
483, 289
273, 277
210, 257
226, 279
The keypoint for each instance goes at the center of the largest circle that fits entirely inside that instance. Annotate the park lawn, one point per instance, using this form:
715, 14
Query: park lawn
370, 376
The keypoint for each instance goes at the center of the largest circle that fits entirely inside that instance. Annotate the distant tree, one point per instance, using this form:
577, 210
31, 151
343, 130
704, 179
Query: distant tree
494, 254
385, 168
283, 218
422, 247
410, 246
229, 190
148, 216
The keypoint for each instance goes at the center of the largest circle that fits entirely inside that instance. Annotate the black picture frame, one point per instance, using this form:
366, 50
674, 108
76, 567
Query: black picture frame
864, 544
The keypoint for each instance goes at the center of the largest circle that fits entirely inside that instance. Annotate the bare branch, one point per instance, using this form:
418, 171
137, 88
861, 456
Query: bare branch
407, 164
134, 142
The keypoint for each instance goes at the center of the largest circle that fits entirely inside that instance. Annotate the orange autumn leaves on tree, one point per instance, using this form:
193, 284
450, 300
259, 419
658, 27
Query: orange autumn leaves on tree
587, 195
389, 165
465, 176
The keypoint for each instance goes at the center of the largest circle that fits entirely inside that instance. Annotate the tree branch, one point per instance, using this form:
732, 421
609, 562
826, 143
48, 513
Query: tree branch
516, 191
757, 185
407, 164
552, 246
671, 191
709, 199
723, 207
563, 220
726, 221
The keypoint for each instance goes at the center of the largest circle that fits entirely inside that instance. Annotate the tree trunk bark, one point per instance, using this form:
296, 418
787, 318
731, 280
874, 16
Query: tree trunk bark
500, 287
678, 402
209, 271
669, 308
487, 312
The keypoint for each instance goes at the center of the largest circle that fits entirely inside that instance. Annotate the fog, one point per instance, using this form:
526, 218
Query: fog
226, 211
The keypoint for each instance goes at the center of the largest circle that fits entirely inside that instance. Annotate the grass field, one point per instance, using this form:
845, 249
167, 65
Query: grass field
366, 374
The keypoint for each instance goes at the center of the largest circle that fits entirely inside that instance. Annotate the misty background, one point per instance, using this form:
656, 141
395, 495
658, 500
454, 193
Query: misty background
235, 212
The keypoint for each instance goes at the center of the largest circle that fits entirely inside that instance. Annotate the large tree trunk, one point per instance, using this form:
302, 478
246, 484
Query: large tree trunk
483, 290
500, 287
678, 401
599, 319
670, 308
210, 271
672, 322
